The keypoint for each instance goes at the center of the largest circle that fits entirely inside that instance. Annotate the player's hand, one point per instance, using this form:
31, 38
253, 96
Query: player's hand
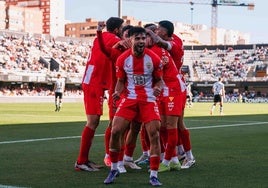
116, 96
125, 44
157, 91
154, 36
101, 25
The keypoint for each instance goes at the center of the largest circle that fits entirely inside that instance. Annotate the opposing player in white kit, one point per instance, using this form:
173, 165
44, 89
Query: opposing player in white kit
59, 87
219, 94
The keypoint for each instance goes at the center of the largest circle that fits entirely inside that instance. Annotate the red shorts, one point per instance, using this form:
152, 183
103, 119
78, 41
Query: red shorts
144, 111
93, 99
170, 106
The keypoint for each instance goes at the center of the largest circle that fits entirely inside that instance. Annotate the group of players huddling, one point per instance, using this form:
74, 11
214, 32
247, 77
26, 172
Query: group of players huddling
141, 69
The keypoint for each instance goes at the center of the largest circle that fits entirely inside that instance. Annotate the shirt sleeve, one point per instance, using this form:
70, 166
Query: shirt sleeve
158, 66
120, 72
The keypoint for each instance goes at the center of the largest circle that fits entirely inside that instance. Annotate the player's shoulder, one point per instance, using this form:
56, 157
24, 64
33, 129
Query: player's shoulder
109, 37
152, 54
124, 55
176, 39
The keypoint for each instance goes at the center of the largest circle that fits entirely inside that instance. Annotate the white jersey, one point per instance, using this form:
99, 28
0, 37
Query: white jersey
218, 88
59, 85
188, 90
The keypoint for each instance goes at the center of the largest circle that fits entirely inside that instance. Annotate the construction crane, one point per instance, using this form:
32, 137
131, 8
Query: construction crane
214, 12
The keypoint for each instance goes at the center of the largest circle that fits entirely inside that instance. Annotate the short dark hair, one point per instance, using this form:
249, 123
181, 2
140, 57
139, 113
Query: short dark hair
127, 27
113, 23
151, 26
136, 30
168, 26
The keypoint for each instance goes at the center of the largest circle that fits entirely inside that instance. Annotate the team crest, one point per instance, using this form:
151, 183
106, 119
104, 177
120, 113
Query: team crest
170, 106
149, 65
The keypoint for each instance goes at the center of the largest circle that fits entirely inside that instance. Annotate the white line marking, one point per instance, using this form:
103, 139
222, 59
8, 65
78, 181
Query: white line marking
9, 186
43, 139
72, 137
232, 125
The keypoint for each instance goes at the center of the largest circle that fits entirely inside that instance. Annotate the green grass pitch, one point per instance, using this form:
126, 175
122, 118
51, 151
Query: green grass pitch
38, 148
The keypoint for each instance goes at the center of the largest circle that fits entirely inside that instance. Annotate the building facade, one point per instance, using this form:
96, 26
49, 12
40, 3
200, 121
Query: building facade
27, 13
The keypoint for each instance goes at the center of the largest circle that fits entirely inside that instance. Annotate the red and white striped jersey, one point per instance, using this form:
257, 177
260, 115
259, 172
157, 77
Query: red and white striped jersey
139, 74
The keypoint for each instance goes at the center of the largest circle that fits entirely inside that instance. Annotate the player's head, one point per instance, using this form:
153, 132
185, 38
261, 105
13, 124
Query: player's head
114, 25
150, 26
136, 30
220, 79
125, 31
138, 38
165, 27
149, 40
58, 75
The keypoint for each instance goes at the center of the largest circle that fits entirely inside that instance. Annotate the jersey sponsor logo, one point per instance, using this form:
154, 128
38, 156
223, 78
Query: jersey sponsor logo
139, 79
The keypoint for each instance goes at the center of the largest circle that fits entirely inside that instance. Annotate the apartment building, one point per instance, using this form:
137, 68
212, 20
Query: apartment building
27, 13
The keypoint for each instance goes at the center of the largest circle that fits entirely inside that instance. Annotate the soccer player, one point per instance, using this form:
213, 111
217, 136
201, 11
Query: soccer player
113, 54
139, 81
166, 38
169, 107
96, 80
189, 94
59, 88
219, 94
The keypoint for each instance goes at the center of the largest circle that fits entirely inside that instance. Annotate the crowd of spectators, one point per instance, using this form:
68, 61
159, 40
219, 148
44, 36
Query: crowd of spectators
38, 91
22, 53
232, 65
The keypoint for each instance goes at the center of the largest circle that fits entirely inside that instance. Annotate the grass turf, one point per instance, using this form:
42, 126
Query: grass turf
234, 155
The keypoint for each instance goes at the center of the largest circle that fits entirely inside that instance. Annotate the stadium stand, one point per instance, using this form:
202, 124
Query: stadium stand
30, 63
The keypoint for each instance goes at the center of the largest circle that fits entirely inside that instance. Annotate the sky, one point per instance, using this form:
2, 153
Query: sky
254, 22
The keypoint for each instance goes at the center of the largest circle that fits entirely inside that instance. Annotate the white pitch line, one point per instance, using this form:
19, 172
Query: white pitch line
43, 139
231, 125
72, 137
9, 186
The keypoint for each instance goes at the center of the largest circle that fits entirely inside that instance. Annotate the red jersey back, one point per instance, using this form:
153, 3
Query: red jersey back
177, 51
170, 71
139, 73
99, 66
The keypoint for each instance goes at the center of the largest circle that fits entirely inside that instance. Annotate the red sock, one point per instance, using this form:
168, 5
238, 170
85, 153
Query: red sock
86, 141
154, 162
171, 143
114, 156
179, 138
107, 138
129, 150
185, 136
121, 153
174, 153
